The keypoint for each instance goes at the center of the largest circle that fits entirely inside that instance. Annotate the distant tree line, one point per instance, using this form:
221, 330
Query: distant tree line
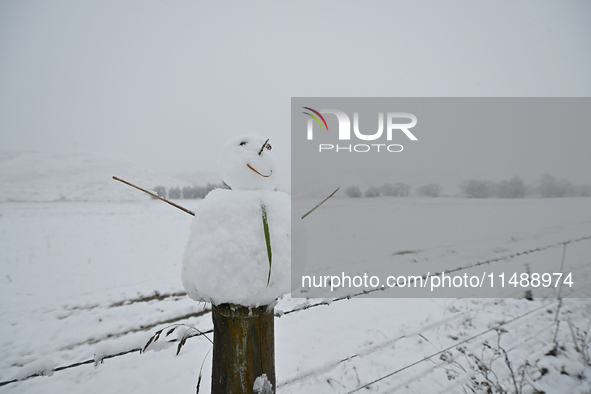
398, 189
187, 192
547, 187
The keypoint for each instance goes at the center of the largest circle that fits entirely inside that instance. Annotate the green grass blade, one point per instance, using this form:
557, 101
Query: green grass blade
267, 239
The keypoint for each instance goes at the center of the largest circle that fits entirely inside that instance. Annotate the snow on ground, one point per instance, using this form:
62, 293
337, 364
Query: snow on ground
86, 278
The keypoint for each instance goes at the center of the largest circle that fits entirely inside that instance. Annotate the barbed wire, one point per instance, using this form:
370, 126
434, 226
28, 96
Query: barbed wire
467, 340
95, 361
308, 306
412, 280
459, 382
330, 366
374, 348
465, 380
451, 347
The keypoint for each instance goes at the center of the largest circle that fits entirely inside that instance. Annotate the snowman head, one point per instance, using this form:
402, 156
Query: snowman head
247, 162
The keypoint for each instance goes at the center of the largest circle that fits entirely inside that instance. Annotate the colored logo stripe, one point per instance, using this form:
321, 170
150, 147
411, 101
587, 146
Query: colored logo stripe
317, 113
315, 118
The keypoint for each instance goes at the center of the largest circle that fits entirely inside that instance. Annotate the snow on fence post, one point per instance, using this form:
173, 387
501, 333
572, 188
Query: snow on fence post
243, 349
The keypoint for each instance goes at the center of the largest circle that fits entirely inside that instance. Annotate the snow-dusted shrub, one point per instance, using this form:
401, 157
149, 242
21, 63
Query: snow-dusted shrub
191, 192
160, 191
477, 189
399, 189
194, 191
372, 192
353, 192
174, 193
429, 190
513, 188
583, 190
551, 187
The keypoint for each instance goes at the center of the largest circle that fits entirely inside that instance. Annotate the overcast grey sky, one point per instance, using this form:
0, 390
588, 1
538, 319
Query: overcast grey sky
166, 83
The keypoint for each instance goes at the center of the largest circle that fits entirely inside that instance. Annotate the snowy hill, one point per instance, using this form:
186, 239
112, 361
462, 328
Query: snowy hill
41, 176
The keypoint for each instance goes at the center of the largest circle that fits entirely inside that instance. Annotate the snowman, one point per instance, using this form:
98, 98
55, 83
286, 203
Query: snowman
239, 250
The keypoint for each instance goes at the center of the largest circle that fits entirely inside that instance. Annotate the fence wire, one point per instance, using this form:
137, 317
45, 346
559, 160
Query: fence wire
94, 361
451, 347
307, 306
557, 301
330, 366
374, 348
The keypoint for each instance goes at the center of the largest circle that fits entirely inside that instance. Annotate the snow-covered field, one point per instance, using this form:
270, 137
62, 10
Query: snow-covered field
81, 280
43, 176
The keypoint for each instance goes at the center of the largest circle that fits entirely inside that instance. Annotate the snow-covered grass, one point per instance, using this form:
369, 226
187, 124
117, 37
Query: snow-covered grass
81, 280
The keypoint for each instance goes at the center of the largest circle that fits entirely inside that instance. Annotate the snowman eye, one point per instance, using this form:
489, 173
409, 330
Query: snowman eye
243, 143
269, 146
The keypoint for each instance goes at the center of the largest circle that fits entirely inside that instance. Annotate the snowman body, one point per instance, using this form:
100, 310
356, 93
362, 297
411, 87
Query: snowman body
239, 250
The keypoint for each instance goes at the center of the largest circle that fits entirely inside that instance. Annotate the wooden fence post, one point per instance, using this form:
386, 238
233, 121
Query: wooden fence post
559, 295
243, 348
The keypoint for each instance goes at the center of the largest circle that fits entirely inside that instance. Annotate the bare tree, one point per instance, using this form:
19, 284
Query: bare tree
174, 193
477, 189
513, 188
372, 192
583, 190
190, 192
429, 190
353, 191
399, 189
550, 187
160, 191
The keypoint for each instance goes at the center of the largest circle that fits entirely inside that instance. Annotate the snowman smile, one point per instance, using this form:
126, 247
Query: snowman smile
266, 176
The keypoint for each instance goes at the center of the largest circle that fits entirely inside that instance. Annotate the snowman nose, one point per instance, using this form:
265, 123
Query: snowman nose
263, 147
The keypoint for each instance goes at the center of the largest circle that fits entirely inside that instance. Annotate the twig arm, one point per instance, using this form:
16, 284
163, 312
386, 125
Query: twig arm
155, 196
192, 213
322, 202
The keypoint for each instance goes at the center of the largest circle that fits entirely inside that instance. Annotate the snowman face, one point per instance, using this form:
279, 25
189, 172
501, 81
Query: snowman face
247, 162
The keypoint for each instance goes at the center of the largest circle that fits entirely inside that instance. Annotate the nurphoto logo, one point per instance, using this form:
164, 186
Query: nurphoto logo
344, 132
